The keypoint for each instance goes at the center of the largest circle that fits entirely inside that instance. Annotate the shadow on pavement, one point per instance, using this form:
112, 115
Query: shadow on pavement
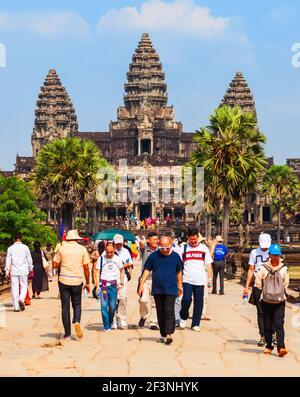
94, 327
51, 335
256, 351
150, 339
243, 341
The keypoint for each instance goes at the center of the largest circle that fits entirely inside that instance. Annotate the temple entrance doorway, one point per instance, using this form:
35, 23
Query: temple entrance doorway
145, 211
146, 146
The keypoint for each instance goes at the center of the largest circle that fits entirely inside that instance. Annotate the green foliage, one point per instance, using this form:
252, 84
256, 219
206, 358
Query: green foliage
231, 152
19, 214
66, 172
237, 212
282, 186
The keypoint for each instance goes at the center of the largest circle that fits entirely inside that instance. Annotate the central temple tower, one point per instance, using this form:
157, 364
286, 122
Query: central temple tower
146, 127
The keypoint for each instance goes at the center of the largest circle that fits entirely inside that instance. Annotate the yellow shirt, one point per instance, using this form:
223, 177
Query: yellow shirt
72, 257
134, 248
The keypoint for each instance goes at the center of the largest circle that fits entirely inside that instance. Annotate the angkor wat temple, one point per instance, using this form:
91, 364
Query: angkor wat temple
145, 132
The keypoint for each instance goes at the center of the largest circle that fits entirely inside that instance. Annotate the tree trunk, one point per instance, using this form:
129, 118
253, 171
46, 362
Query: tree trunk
95, 219
226, 210
279, 227
208, 225
67, 216
218, 222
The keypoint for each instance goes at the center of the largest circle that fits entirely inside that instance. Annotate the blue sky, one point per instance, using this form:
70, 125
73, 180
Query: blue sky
202, 44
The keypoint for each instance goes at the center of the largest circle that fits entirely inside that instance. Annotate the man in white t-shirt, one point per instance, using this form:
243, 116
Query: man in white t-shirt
258, 257
125, 256
109, 273
197, 267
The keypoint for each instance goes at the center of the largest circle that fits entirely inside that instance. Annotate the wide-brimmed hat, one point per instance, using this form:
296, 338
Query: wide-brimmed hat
219, 238
73, 235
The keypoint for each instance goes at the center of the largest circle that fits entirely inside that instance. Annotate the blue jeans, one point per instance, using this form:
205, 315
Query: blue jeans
108, 306
177, 308
188, 291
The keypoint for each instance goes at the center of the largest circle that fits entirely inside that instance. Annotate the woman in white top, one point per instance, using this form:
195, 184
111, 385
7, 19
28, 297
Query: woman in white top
109, 277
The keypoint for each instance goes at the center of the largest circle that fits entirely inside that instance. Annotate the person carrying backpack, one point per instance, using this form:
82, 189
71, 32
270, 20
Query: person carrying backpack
273, 279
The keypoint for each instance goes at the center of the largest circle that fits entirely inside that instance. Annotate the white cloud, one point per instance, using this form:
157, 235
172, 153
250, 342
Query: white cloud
49, 24
283, 13
182, 16
4, 21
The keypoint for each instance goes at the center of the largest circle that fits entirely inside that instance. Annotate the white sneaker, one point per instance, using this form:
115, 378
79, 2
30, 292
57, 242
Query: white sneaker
114, 324
182, 324
107, 330
196, 328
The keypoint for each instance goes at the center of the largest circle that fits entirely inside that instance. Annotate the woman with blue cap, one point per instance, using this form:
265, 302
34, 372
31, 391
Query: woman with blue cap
273, 279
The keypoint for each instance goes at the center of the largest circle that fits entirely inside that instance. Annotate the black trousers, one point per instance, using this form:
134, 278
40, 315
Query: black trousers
218, 268
165, 308
260, 314
70, 294
274, 320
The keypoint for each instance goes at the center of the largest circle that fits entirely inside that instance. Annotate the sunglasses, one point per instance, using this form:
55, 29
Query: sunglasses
164, 248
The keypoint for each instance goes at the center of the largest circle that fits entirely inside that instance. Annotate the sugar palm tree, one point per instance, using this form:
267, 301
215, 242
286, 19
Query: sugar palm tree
282, 186
231, 152
65, 175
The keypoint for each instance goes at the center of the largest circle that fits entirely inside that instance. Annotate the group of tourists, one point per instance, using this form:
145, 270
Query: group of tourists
173, 275
148, 223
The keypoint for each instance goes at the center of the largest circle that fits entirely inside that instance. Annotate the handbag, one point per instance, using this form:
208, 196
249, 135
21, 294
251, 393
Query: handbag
128, 274
45, 262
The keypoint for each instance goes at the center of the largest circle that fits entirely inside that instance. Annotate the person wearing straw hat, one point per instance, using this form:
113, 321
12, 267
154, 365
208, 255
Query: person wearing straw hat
220, 253
73, 260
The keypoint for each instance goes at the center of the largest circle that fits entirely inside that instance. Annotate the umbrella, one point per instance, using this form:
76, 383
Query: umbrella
109, 235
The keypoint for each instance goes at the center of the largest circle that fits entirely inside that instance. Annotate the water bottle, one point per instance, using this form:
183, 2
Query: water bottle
245, 299
86, 294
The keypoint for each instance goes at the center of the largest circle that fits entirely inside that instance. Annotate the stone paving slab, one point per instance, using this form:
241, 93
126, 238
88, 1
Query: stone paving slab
30, 343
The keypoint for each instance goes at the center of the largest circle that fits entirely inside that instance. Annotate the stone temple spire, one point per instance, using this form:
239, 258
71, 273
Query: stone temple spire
239, 94
54, 114
146, 78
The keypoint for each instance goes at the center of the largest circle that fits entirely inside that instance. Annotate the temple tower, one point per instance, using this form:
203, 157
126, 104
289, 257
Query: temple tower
145, 120
54, 114
239, 94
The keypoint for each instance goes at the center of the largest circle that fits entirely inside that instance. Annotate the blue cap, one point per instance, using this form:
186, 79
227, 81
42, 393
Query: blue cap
275, 249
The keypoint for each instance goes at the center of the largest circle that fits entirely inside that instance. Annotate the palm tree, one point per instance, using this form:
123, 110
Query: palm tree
65, 175
231, 152
282, 185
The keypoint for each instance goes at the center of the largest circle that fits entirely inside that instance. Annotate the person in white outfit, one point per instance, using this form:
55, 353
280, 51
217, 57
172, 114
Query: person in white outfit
123, 253
17, 268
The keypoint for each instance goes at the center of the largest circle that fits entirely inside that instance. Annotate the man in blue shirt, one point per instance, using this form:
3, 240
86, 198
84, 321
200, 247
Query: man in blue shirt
166, 268
220, 254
